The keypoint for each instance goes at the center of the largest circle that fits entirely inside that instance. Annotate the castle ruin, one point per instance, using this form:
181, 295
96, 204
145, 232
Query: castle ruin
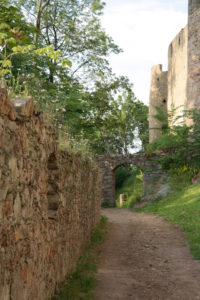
179, 87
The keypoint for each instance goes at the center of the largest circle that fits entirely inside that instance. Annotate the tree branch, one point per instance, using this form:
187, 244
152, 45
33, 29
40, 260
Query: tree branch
45, 4
40, 9
80, 66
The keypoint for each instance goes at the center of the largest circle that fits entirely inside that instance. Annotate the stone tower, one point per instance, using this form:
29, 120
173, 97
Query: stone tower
182, 91
178, 74
193, 84
158, 98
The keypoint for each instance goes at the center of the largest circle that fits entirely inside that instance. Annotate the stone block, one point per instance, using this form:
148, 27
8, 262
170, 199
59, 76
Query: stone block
6, 107
122, 199
5, 291
1, 212
12, 164
17, 206
24, 107
3, 192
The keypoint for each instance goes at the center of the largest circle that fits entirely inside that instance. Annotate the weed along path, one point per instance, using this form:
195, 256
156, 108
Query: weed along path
143, 258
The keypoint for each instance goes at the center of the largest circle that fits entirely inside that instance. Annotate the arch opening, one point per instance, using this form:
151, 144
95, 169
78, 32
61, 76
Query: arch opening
109, 166
128, 185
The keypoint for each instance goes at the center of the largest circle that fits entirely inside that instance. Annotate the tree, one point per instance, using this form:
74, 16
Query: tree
73, 27
111, 120
41, 5
17, 52
142, 124
88, 102
14, 32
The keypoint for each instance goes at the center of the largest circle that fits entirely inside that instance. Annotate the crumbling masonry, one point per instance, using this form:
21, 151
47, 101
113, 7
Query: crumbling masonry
49, 204
179, 87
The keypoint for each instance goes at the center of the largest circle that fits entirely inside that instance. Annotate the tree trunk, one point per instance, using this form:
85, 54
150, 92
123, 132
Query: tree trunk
40, 9
37, 25
51, 74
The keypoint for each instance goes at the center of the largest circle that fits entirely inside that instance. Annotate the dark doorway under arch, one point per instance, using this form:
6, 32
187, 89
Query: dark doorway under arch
128, 185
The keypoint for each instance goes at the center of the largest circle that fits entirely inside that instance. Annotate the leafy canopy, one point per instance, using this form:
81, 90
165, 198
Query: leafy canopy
57, 52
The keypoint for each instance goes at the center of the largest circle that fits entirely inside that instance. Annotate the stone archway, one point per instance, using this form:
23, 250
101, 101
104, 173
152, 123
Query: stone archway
108, 165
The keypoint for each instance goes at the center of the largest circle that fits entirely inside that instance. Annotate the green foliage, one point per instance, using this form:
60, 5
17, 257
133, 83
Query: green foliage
163, 118
112, 119
179, 144
56, 52
132, 187
121, 174
72, 145
141, 112
80, 285
76, 32
13, 31
182, 207
16, 47
194, 138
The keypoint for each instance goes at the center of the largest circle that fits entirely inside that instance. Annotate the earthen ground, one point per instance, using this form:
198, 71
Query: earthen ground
145, 258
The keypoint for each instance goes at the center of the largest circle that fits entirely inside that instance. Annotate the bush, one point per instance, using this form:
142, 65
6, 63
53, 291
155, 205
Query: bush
122, 173
132, 188
179, 143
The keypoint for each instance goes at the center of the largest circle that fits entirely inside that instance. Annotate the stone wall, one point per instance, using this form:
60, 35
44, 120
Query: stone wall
108, 165
184, 69
155, 181
177, 73
158, 98
193, 86
49, 204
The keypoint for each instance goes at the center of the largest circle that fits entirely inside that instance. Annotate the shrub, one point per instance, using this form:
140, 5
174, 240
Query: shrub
179, 143
122, 173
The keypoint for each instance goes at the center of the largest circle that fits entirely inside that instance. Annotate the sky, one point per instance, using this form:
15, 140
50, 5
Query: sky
144, 30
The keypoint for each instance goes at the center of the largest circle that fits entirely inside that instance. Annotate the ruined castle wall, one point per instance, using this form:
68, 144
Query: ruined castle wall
183, 68
193, 86
158, 98
49, 204
177, 73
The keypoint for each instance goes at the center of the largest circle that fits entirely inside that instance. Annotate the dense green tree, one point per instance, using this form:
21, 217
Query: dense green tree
18, 54
14, 31
113, 117
86, 101
74, 29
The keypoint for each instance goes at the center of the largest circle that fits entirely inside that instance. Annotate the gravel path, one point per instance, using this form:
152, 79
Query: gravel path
143, 258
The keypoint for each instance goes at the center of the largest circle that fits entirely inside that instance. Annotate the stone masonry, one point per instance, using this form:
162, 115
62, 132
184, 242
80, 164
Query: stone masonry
183, 79
151, 172
49, 204
177, 72
193, 86
108, 165
158, 99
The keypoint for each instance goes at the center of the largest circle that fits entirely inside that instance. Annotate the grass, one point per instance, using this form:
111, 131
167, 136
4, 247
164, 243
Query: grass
132, 187
80, 285
74, 146
182, 207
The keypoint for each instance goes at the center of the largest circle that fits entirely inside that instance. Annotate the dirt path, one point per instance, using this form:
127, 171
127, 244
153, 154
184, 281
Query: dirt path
145, 258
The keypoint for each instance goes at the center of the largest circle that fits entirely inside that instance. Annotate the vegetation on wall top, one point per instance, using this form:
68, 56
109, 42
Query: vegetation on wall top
57, 52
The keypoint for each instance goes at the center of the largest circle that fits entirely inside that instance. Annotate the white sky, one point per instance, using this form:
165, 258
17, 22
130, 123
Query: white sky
144, 30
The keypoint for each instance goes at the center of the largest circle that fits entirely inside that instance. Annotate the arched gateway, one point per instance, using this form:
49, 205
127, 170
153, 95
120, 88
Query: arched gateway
109, 164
